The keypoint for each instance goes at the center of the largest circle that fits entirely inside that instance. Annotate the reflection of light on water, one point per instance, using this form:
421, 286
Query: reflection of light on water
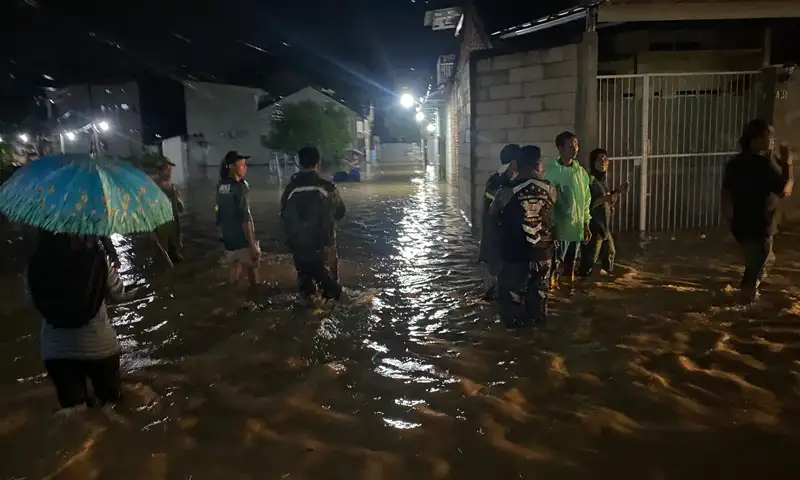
155, 327
375, 346
417, 234
125, 315
123, 246
405, 402
409, 371
35, 378
400, 424
329, 328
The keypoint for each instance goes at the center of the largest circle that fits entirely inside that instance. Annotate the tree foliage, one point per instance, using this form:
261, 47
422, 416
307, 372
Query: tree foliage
308, 123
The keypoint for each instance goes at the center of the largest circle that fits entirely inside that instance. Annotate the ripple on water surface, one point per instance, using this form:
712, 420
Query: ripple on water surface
651, 373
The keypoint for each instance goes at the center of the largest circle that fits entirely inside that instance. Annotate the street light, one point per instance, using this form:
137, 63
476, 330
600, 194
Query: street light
70, 136
431, 128
420, 117
103, 126
23, 137
406, 100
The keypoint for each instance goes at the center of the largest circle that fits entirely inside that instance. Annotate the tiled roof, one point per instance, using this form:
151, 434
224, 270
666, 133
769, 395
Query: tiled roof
501, 14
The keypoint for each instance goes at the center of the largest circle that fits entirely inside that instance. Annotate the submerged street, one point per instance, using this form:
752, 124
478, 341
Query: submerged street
652, 374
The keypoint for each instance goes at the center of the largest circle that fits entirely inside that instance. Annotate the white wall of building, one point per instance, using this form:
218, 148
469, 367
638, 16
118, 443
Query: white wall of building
227, 116
175, 150
400, 157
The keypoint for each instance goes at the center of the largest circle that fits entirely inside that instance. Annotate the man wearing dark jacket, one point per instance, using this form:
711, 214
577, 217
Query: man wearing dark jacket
310, 208
753, 185
524, 211
489, 253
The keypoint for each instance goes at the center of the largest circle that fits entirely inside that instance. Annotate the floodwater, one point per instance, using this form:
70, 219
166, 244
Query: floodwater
651, 374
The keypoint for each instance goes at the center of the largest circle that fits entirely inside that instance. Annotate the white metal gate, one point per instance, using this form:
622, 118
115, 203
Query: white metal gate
670, 136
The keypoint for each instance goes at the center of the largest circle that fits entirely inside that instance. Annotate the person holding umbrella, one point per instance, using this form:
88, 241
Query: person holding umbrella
76, 201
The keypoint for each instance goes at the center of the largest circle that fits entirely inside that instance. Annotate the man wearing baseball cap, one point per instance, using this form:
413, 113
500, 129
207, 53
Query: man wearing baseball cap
488, 251
235, 221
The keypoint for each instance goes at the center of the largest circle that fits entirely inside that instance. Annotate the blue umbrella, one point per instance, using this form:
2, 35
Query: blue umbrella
85, 195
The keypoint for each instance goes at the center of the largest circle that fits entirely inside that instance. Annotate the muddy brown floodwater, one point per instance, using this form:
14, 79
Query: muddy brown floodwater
652, 374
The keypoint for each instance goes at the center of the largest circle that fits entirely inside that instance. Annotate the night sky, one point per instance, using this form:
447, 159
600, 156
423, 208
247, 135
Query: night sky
363, 49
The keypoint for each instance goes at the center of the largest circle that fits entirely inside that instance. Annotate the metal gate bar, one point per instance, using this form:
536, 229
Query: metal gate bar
670, 136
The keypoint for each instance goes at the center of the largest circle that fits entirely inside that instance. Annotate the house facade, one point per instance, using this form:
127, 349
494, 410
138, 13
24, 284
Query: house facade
220, 118
359, 126
667, 100
73, 109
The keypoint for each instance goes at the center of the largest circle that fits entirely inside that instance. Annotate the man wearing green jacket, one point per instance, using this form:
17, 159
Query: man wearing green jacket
572, 209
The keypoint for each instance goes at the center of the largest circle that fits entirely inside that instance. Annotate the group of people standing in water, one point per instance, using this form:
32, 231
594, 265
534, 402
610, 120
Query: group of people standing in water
540, 217
310, 208
71, 278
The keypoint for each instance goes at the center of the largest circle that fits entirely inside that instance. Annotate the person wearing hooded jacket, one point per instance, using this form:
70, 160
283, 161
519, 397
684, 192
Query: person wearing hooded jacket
572, 210
489, 254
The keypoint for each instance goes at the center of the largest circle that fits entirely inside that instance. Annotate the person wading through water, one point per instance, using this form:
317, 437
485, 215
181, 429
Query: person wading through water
489, 253
753, 184
573, 208
601, 245
524, 211
168, 235
235, 221
310, 208
69, 280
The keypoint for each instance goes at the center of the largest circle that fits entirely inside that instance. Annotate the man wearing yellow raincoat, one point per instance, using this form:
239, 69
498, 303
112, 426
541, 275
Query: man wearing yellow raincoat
573, 207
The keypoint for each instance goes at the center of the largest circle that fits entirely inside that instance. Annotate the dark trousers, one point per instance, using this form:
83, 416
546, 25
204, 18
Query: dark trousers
598, 248
169, 237
522, 292
565, 254
758, 257
69, 377
318, 270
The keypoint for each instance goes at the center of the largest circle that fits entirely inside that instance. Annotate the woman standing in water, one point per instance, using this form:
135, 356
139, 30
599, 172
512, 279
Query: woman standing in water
752, 186
601, 245
69, 280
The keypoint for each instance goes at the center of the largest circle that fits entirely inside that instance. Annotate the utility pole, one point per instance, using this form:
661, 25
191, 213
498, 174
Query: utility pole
94, 143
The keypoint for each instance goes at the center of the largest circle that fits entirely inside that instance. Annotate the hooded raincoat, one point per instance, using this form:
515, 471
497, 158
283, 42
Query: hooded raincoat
574, 204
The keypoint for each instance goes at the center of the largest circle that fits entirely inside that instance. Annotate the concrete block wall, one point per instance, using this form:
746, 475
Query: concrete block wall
525, 98
462, 148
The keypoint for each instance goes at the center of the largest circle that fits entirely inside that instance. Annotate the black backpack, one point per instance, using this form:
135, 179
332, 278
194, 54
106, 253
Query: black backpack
307, 219
68, 286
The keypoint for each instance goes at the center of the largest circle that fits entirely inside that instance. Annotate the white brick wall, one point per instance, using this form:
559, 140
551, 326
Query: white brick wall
525, 98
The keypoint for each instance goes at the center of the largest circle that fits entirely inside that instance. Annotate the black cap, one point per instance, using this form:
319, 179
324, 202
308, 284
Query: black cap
509, 153
233, 156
